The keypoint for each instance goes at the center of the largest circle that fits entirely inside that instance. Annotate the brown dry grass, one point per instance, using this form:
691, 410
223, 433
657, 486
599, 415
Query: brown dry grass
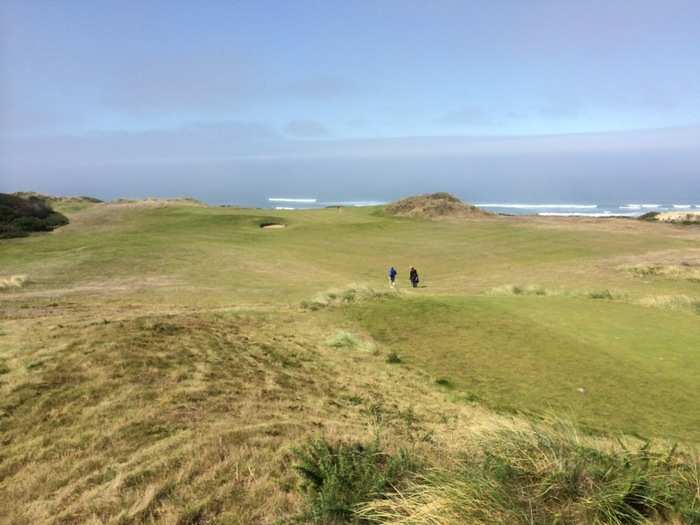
165, 419
687, 270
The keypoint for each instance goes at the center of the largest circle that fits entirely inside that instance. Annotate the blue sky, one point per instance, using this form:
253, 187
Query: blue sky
124, 84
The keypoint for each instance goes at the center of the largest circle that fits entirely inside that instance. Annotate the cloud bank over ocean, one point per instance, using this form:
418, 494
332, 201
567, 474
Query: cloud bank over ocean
232, 164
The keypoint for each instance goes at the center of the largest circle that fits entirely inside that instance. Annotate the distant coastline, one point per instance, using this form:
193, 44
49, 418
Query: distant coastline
591, 210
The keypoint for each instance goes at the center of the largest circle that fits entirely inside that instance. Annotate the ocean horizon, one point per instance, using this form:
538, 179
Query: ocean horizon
556, 209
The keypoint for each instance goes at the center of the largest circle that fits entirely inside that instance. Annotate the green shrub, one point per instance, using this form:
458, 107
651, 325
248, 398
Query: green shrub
337, 477
649, 216
9, 231
55, 220
393, 358
21, 216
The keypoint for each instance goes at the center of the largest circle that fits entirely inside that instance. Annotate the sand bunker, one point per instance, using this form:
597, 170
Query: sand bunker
674, 216
272, 226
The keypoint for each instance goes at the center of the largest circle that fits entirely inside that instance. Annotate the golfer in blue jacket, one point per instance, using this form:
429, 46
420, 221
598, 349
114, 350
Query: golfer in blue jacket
392, 276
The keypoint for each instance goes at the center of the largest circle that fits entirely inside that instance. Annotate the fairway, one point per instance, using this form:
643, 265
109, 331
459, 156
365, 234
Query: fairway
609, 365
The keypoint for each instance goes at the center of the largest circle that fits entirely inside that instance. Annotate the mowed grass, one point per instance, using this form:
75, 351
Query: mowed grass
610, 365
220, 255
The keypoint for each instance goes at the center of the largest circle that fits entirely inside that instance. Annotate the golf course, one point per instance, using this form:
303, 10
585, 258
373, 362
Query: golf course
165, 361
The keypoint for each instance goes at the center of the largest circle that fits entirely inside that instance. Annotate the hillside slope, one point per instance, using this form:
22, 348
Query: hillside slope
180, 364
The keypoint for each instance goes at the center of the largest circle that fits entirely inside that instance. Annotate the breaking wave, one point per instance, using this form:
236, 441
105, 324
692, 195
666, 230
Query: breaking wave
353, 203
540, 206
582, 214
284, 199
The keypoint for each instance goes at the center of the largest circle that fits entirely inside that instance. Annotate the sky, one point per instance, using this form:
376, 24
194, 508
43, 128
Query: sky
231, 101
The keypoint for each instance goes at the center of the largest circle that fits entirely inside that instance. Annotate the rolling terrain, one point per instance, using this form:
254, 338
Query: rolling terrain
165, 361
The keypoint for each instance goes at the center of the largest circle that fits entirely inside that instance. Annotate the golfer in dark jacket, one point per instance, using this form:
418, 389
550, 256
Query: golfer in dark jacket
413, 275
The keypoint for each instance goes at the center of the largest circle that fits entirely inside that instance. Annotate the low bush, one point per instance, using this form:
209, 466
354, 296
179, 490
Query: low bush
649, 216
338, 477
393, 358
21, 216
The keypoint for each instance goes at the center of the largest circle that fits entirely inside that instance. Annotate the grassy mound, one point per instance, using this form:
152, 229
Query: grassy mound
19, 216
433, 206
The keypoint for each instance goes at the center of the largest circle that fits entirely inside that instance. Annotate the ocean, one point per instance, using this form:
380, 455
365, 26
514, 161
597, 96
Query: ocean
542, 209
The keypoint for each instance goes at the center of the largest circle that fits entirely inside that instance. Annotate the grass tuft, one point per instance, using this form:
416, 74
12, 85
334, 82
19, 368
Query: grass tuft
351, 294
537, 290
510, 289
601, 294
671, 302
344, 340
687, 271
393, 358
349, 341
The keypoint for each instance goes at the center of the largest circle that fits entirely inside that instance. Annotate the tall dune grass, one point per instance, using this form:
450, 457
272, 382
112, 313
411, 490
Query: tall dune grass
550, 475
353, 293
